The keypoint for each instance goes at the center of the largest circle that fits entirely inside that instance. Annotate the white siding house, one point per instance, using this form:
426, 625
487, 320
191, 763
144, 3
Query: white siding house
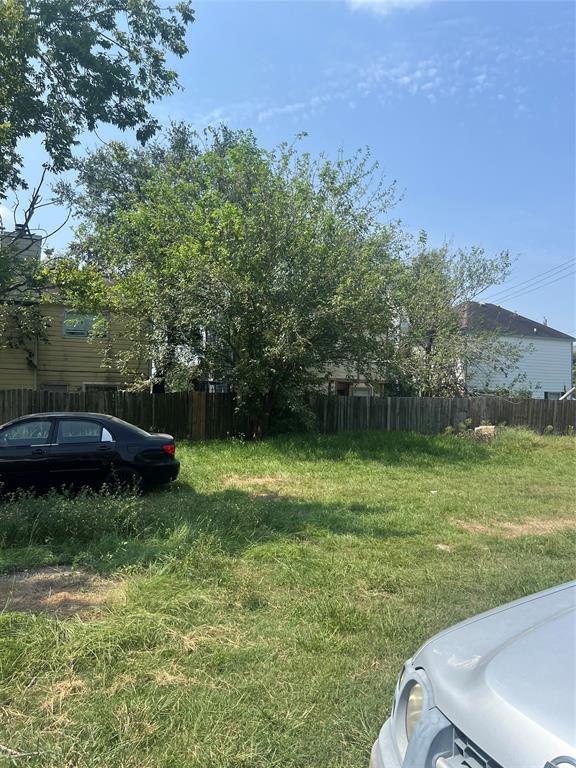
545, 366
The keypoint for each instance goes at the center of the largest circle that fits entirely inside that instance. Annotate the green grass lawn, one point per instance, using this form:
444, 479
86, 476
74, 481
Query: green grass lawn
262, 606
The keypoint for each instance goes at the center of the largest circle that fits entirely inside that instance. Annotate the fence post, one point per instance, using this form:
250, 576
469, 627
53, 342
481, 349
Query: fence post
199, 416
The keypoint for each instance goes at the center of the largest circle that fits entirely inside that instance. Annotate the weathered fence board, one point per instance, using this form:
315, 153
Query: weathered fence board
433, 414
207, 416
190, 415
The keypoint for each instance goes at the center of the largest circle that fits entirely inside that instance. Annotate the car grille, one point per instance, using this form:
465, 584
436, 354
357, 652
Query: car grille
466, 754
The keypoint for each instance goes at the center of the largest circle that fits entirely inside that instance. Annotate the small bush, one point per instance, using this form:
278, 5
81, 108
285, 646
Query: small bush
549, 430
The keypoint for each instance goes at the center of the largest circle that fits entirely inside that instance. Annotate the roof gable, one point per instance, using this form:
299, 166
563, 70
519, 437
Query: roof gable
490, 317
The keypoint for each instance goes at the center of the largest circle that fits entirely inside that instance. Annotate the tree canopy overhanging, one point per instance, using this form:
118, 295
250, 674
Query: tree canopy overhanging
68, 66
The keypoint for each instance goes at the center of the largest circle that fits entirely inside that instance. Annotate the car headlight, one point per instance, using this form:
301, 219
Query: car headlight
414, 697
414, 708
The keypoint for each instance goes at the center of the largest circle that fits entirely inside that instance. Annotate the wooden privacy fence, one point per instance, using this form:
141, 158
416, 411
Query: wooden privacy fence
206, 416
434, 414
190, 415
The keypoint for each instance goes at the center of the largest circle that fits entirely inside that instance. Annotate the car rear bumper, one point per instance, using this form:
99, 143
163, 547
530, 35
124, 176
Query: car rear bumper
161, 473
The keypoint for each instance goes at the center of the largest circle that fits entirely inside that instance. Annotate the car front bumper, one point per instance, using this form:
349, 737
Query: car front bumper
383, 752
430, 747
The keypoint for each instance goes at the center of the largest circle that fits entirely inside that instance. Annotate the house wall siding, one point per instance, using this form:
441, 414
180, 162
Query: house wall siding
73, 361
14, 370
547, 367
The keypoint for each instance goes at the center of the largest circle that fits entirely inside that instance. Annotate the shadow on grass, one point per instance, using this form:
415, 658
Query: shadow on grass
236, 514
402, 448
110, 532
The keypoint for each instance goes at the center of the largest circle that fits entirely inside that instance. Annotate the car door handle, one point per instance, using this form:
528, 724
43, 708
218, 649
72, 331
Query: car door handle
38, 452
104, 448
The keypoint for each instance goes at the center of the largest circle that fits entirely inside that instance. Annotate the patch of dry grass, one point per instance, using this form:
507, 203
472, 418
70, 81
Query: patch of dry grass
507, 529
59, 591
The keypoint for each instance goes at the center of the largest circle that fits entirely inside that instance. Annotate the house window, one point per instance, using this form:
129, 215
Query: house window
362, 390
218, 387
79, 325
342, 388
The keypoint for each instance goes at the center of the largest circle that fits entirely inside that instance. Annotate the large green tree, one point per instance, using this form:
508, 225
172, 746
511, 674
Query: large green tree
261, 268
67, 66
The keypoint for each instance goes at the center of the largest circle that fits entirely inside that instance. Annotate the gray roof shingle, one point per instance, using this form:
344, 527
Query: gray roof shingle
491, 317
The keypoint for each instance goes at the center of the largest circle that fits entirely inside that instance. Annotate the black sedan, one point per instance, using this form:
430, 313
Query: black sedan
46, 450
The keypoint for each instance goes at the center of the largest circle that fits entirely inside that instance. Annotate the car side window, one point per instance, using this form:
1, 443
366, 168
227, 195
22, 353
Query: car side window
81, 431
106, 436
26, 433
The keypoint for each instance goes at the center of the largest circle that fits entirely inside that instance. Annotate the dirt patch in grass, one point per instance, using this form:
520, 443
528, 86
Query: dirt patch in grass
165, 678
258, 481
529, 527
59, 591
261, 487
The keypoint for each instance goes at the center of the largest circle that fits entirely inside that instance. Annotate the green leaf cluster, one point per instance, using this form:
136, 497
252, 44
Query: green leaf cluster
67, 66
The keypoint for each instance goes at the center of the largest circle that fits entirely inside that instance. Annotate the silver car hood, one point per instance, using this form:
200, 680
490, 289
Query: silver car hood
507, 678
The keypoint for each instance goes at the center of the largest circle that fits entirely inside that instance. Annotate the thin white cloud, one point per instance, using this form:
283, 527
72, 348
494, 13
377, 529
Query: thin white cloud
248, 111
384, 7
306, 107
478, 67
233, 113
384, 77
282, 109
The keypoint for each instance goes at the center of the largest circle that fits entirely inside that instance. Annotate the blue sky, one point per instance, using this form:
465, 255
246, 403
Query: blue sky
468, 106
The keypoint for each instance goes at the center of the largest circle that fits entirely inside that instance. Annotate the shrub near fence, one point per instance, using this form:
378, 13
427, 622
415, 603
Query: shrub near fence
206, 416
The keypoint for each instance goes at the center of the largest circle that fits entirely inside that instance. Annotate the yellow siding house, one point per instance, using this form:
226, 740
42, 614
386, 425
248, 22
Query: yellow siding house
69, 358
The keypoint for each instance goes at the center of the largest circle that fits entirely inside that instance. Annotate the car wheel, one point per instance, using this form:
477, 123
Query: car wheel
124, 480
